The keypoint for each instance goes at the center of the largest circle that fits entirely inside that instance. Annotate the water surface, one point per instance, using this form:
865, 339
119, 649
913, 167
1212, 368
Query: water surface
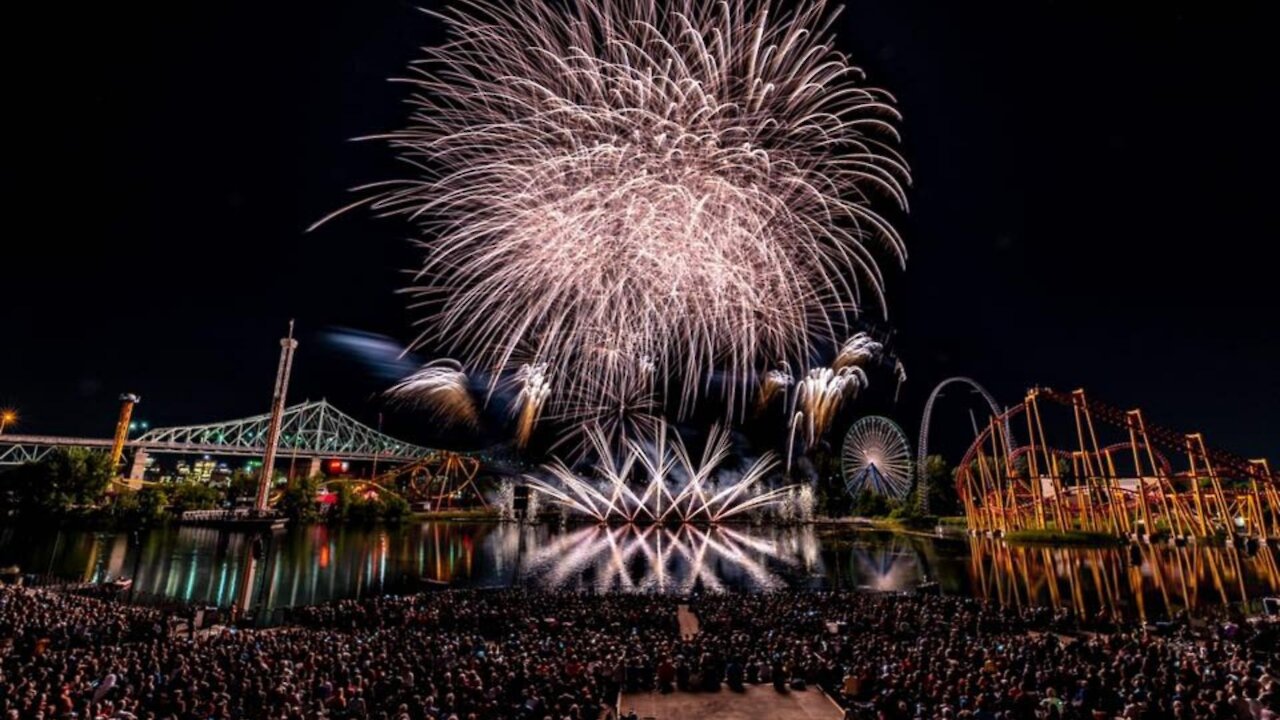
312, 564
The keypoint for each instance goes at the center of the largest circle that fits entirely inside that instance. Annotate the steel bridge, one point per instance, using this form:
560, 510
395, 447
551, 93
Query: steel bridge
310, 430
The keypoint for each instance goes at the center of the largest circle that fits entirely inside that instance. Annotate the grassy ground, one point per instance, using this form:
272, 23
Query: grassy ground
1062, 537
470, 514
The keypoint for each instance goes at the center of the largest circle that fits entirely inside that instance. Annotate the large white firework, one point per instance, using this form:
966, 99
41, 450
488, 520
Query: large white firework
686, 182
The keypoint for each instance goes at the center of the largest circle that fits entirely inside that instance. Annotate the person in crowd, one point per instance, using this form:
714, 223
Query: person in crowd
497, 654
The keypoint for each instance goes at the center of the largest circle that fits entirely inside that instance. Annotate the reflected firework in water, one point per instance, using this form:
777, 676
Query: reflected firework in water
886, 566
316, 564
654, 558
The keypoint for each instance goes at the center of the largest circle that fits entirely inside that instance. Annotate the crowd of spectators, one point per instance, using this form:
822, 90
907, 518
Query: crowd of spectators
533, 655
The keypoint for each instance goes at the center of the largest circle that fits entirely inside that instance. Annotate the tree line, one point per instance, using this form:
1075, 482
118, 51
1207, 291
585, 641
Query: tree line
75, 484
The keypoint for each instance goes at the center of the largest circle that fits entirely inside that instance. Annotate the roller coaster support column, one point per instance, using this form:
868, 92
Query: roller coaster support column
1148, 527
1081, 466
287, 346
1170, 514
1195, 445
1269, 497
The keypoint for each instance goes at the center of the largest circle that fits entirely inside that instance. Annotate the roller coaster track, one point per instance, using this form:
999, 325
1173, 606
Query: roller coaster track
1086, 484
1170, 441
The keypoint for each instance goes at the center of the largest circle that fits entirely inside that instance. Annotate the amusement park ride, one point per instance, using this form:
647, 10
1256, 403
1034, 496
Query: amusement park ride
1113, 474
441, 480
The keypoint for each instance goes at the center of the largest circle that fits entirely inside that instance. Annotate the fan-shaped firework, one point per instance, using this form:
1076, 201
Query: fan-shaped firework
686, 182
677, 486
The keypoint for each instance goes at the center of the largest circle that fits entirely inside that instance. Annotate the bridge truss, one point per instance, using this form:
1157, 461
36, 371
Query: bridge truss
1070, 475
308, 430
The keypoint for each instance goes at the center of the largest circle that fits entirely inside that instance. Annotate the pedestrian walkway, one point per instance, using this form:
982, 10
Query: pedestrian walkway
756, 702
688, 621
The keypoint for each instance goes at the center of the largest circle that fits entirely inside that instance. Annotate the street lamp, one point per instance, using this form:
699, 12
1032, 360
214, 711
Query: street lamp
7, 417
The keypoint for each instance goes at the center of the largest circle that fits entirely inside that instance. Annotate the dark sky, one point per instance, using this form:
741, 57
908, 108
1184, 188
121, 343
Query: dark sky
1093, 204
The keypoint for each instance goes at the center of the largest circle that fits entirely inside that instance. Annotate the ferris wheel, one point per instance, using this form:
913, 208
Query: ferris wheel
876, 458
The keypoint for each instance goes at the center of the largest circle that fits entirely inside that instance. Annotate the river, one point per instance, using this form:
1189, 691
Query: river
317, 563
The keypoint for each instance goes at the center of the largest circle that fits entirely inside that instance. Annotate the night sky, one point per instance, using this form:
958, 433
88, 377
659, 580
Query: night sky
1093, 206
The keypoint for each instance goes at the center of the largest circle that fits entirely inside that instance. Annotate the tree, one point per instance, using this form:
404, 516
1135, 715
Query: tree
186, 496
394, 507
141, 506
298, 501
940, 479
342, 503
871, 504
64, 479
241, 486
152, 502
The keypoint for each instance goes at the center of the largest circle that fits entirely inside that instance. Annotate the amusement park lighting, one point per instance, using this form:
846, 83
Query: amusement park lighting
8, 416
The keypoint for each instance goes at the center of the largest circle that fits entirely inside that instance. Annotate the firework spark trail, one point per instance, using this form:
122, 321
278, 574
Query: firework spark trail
900, 373
858, 350
615, 414
775, 381
694, 183
819, 396
442, 386
535, 387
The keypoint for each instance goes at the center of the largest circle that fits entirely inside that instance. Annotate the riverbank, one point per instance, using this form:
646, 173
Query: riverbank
1061, 538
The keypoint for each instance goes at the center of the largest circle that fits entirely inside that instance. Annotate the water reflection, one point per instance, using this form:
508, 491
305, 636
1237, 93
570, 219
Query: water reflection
677, 559
889, 562
318, 563
1146, 582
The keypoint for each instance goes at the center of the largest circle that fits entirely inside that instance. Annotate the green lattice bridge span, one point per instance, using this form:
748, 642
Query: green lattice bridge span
310, 430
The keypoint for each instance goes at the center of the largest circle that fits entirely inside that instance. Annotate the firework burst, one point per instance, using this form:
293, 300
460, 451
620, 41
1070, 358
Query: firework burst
819, 397
535, 387
775, 381
858, 351
609, 183
677, 486
443, 387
